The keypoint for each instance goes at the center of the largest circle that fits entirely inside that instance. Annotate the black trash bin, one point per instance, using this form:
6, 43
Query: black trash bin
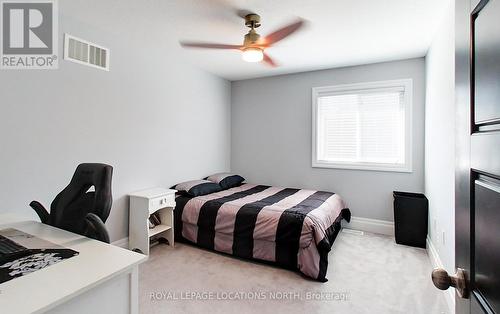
410, 218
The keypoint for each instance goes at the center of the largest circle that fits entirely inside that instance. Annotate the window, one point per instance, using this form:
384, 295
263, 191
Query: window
363, 126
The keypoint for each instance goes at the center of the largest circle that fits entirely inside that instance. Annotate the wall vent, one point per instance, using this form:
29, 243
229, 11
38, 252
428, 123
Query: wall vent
86, 53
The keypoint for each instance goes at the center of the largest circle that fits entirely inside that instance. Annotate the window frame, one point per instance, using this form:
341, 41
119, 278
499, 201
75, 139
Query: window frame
406, 84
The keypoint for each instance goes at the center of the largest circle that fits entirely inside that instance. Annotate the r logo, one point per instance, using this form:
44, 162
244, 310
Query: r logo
27, 28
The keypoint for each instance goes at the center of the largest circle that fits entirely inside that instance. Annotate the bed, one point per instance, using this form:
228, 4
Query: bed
291, 228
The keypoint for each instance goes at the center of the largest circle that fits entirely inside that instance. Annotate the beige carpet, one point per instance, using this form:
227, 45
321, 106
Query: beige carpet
367, 274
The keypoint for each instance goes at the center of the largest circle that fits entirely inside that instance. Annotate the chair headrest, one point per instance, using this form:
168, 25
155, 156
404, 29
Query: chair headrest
77, 200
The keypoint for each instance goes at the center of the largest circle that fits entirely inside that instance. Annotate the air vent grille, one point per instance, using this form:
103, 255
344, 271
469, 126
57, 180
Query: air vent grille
86, 53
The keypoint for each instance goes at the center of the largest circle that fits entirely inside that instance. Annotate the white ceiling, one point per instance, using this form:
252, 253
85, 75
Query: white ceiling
339, 32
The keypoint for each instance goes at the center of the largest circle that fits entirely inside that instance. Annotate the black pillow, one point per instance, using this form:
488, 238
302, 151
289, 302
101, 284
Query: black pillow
226, 180
197, 187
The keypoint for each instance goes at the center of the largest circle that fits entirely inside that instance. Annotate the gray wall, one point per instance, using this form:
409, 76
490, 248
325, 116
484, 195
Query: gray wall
440, 139
271, 136
156, 119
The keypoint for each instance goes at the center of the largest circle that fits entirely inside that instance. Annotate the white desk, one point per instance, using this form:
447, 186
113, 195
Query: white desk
102, 279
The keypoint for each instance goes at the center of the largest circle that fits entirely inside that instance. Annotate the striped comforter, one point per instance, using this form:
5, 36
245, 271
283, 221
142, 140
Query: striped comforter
292, 228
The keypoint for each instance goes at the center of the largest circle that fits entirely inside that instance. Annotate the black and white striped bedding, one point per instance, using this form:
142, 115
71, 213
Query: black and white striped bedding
293, 228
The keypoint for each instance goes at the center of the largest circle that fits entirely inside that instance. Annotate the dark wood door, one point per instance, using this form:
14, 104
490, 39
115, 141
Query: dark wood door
477, 227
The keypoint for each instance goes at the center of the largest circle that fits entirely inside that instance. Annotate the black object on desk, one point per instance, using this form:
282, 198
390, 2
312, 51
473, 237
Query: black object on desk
10, 250
23, 253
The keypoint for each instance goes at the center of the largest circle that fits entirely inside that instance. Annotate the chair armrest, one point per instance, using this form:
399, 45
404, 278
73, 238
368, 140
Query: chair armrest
97, 226
41, 211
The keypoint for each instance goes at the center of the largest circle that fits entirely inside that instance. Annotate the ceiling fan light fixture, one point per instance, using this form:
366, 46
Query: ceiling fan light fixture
253, 46
252, 54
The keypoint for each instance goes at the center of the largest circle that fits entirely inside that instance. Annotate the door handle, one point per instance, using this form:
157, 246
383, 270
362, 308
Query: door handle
443, 281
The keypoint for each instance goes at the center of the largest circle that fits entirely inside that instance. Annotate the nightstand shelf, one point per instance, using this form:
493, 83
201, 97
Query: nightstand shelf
158, 229
142, 205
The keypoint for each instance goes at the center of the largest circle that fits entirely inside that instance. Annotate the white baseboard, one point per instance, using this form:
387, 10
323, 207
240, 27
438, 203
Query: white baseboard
123, 243
437, 263
370, 225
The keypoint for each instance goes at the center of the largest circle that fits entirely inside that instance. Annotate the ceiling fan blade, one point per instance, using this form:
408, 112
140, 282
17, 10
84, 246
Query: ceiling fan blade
208, 45
269, 61
283, 32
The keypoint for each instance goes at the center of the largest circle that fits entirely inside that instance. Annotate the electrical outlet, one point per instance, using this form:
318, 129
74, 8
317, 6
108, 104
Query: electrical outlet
443, 237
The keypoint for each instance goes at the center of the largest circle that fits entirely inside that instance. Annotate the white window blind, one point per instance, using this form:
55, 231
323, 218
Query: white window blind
362, 127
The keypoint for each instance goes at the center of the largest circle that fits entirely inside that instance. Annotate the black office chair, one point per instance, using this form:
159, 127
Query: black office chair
78, 208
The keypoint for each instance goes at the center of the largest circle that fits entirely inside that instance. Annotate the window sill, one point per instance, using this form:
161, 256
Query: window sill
363, 166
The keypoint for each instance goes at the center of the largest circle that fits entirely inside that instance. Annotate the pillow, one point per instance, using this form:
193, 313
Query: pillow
226, 180
197, 187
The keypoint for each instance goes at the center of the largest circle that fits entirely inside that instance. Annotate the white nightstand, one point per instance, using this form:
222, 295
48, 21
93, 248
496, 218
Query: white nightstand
142, 205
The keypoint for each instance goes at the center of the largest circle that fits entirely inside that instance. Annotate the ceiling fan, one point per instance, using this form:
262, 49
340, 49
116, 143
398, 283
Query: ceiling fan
253, 47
